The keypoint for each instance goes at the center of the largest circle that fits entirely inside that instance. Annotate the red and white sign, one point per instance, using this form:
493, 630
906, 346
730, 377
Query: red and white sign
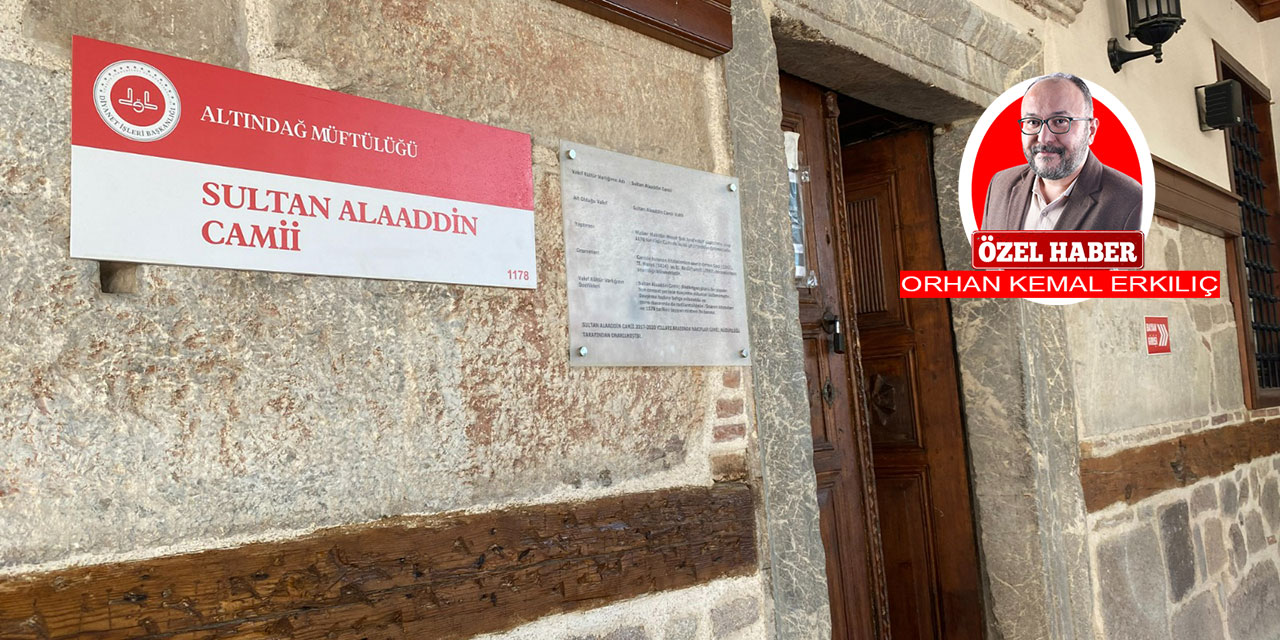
1057, 250
180, 162
1157, 331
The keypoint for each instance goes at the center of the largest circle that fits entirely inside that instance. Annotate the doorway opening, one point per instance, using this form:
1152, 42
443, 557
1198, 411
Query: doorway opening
889, 448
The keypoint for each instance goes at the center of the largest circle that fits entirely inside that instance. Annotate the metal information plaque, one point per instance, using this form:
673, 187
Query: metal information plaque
654, 261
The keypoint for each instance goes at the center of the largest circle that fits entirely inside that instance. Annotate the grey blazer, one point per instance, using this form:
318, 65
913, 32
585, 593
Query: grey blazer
1103, 200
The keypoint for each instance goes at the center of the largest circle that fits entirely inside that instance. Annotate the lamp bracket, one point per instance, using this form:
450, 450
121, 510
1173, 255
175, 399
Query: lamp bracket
1119, 57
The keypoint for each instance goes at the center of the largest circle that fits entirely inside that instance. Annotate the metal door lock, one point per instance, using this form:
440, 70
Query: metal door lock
831, 324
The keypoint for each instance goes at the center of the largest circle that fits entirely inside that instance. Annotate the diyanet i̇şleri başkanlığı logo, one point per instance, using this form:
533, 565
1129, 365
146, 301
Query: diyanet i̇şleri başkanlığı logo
137, 101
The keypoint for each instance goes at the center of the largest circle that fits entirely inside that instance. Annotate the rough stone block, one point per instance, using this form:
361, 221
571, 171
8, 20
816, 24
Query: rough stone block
1238, 550
681, 629
1201, 562
1227, 385
734, 615
1270, 503
1255, 536
1204, 498
1179, 556
800, 592
727, 432
1200, 313
1221, 313
1230, 497
1199, 619
729, 468
1172, 260
728, 407
732, 379
206, 30
1132, 586
1215, 547
1253, 609
628, 633
1244, 491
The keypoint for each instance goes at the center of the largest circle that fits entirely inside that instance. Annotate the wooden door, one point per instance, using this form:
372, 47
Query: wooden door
840, 448
913, 405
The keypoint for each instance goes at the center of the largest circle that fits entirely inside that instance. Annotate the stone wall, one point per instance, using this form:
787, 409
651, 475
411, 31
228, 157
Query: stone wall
214, 407
1020, 418
730, 609
1196, 563
1200, 378
1146, 563
933, 60
795, 561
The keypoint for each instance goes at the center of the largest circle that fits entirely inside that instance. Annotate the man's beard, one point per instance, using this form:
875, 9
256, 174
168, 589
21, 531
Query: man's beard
1068, 165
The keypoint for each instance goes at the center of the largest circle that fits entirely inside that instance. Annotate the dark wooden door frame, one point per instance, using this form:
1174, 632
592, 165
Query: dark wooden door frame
849, 311
862, 424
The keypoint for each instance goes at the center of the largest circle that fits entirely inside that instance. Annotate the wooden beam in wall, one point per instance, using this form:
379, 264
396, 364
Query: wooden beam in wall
704, 27
1184, 197
1261, 9
408, 578
1141, 472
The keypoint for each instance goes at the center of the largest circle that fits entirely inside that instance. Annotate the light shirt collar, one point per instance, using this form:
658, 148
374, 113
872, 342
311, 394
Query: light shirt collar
1043, 216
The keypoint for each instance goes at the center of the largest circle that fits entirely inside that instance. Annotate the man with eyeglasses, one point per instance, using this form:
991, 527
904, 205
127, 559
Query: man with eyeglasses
1063, 187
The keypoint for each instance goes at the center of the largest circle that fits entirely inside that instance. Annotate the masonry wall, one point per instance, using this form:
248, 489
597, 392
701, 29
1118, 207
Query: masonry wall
1181, 552
1124, 395
213, 407
1198, 562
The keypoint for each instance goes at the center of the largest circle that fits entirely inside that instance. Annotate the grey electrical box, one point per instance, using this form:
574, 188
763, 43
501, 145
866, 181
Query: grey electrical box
1220, 105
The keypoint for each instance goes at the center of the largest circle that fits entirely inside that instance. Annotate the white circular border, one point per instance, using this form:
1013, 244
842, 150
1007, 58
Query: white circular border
117, 71
1014, 93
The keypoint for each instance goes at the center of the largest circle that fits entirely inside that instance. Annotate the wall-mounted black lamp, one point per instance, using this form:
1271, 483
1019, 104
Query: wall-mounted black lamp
1152, 22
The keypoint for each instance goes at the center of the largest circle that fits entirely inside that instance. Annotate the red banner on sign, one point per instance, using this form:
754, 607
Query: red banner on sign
1057, 250
1060, 284
151, 104
1157, 331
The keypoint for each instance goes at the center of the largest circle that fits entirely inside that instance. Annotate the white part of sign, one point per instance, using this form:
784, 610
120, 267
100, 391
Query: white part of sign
136, 208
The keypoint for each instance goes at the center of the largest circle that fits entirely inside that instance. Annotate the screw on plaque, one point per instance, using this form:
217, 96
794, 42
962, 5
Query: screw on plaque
582, 351
744, 353
572, 154
733, 187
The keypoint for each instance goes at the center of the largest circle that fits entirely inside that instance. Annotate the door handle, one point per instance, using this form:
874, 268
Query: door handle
831, 324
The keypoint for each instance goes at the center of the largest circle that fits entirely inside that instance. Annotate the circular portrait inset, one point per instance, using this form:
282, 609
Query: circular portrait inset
1056, 153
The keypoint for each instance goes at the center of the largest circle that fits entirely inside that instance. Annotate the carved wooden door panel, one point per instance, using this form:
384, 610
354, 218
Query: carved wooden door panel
840, 447
913, 405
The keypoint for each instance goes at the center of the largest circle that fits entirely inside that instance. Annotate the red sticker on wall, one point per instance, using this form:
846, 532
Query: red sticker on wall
1157, 332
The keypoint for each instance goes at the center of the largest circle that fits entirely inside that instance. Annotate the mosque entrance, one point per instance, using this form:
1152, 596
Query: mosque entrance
889, 448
